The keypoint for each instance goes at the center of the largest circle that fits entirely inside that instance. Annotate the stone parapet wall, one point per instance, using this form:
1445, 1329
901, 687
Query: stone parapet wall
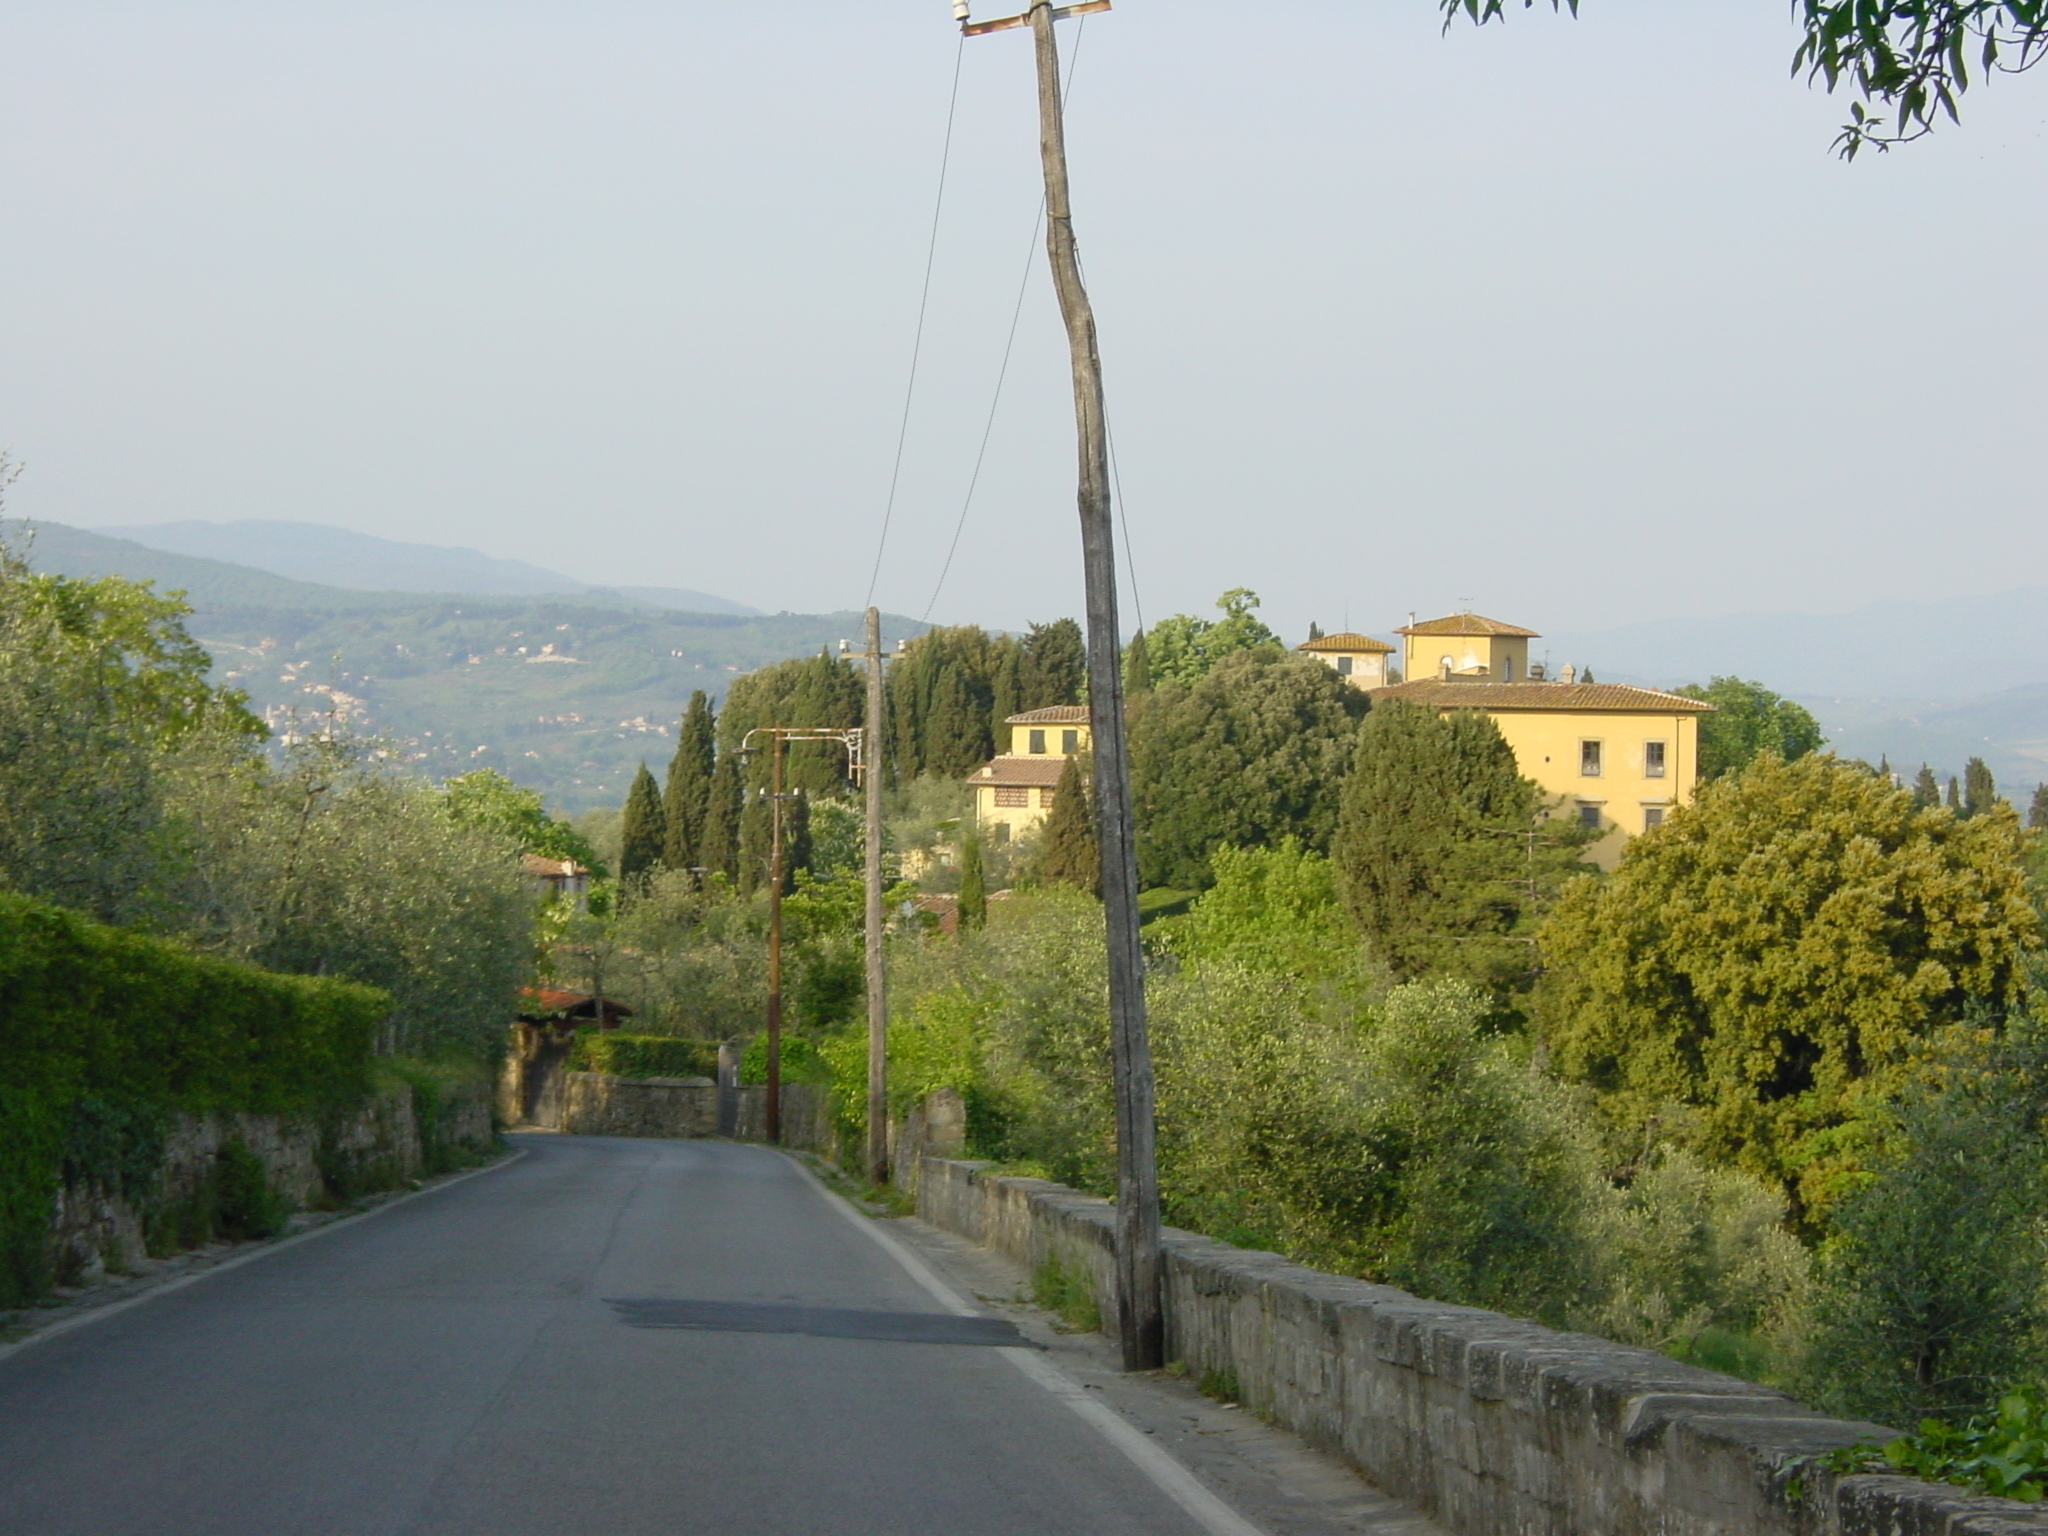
1492, 1424
806, 1117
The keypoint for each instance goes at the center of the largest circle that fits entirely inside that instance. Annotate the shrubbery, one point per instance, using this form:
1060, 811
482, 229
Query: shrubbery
110, 1033
642, 1055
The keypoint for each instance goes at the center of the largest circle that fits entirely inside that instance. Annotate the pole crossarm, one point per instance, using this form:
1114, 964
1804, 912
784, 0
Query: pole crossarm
1059, 13
854, 739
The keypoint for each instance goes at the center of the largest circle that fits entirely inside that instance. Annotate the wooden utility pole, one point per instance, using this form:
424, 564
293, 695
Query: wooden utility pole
779, 734
775, 943
878, 988
1141, 1319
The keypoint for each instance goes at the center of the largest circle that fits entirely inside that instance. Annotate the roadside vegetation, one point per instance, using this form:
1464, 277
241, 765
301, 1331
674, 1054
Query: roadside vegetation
1728, 1101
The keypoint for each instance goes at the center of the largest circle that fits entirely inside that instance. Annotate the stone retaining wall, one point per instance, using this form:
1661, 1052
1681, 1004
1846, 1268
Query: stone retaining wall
1492, 1424
379, 1147
600, 1104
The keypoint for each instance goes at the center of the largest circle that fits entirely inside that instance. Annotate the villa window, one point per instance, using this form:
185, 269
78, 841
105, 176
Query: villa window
1343, 666
1589, 816
1653, 759
1012, 794
1070, 742
1045, 799
1589, 759
1653, 817
1037, 740
1507, 669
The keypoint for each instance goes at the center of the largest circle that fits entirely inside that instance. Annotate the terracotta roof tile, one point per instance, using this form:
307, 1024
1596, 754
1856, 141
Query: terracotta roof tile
1465, 624
1481, 693
1012, 771
1346, 641
1058, 714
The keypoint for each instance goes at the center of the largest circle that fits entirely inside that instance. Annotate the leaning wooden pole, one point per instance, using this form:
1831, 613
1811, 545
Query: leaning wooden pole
1141, 1320
878, 988
774, 1126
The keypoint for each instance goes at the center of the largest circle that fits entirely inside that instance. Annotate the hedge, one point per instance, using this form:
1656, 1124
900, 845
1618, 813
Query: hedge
643, 1055
110, 1032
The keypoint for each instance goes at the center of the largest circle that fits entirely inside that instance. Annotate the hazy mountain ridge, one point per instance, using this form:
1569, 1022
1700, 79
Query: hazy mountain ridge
361, 562
565, 692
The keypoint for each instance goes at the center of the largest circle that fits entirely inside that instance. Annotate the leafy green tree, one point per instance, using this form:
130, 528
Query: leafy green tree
719, 850
2037, 812
1183, 649
1443, 854
973, 883
687, 793
1068, 853
1749, 719
1272, 910
1053, 665
1926, 788
1930, 1298
757, 833
486, 798
1980, 790
819, 691
1253, 751
1909, 57
1776, 957
641, 833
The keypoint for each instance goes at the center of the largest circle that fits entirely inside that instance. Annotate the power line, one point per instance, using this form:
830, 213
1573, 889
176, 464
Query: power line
1017, 310
917, 343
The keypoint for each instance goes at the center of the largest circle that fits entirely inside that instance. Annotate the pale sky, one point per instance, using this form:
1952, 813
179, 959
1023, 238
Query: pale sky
1578, 321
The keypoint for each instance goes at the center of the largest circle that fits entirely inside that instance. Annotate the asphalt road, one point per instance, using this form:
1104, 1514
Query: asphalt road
457, 1365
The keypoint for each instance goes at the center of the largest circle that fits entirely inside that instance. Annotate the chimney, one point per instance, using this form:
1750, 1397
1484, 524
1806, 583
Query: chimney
1566, 673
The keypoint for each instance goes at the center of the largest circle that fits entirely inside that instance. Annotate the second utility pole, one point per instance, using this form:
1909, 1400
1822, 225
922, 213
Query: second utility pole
1141, 1326
871, 849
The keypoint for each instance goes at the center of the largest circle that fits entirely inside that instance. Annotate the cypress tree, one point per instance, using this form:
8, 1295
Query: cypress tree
1884, 767
1926, 788
1009, 695
973, 884
718, 848
688, 791
1068, 854
2037, 813
1055, 665
796, 839
1430, 851
1137, 666
1980, 790
1955, 799
1315, 630
641, 832
755, 832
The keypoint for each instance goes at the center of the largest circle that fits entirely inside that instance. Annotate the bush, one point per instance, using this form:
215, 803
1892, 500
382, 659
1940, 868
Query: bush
1931, 1298
111, 1032
643, 1055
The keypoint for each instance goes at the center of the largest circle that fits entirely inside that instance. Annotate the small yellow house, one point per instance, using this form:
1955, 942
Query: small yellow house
1359, 659
1615, 756
1014, 793
1465, 645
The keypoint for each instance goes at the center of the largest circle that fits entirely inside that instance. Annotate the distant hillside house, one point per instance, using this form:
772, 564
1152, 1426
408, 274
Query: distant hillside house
1614, 756
557, 877
1013, 793
1359, 659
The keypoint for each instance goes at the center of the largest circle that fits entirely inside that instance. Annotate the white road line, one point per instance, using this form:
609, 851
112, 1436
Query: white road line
1214, 1516
91, 1315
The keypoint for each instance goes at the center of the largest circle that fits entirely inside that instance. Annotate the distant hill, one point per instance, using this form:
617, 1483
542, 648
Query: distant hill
2008, 730
360, 562
1951, 648
566, 692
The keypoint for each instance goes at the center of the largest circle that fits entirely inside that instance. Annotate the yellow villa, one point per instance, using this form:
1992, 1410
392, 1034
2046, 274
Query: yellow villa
1013, 793
1359, 659
1615, 756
